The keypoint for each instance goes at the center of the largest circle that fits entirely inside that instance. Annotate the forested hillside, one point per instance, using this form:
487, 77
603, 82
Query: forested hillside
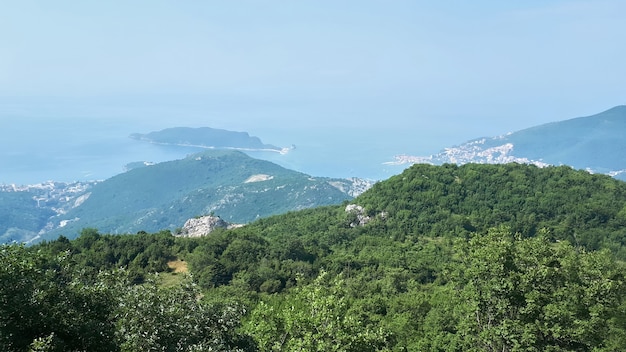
440, 258
163, 196
456, 200
20, 216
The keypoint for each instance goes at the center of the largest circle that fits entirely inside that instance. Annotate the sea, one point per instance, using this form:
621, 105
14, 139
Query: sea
48, 145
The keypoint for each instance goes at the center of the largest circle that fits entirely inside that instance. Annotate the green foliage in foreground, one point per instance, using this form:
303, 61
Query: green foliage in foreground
497, 291
313, 317
475, 258
47, 305
512, 294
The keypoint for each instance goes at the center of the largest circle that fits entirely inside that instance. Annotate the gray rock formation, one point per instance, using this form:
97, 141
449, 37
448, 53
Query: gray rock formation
202, 226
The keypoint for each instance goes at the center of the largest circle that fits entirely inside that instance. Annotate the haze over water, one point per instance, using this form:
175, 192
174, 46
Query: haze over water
69, 148
350, 83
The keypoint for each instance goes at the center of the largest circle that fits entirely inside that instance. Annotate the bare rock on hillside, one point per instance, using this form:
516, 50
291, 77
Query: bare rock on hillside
202, 226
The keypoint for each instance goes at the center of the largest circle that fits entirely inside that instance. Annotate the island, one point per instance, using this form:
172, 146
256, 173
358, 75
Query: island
206, 137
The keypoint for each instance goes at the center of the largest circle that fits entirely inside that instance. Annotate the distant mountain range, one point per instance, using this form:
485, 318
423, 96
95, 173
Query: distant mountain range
595, 143
206, 137
151, 198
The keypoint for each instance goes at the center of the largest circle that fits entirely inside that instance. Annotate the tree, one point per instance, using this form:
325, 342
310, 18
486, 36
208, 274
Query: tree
45, 303
517, 294
313, 317
153, 318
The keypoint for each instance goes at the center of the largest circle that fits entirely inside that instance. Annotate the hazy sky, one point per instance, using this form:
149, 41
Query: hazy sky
446, 70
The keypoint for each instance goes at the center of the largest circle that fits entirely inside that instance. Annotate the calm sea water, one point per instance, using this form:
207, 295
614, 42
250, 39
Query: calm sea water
37, 149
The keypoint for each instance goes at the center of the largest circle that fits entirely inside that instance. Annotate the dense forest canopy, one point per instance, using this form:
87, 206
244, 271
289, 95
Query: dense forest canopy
457, 200
451, 258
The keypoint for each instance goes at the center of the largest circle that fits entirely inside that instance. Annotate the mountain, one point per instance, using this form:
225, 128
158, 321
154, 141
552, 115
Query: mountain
229, 184
438, 258
206, 137
450, 254
25, 211
456, 200
596, 143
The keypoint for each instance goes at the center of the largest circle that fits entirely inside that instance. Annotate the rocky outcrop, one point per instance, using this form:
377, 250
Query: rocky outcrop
258, 178
202, 226
359, 217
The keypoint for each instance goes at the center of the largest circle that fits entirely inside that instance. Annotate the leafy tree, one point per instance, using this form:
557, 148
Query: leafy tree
513, 294
313, 318
48, 305
45, 303
152, 318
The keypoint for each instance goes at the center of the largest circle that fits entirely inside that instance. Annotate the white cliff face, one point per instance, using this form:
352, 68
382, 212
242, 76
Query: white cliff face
81, 199
258, 178
202, 226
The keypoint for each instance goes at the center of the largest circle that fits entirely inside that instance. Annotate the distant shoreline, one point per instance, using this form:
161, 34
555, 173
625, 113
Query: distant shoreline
281, 151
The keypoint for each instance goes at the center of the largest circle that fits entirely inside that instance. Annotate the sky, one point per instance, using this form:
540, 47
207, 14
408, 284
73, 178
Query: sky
425, 74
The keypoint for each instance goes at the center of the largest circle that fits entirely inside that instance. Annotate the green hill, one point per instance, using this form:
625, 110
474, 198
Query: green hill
427, 200
506, 257
25, 211
20, 216
450, 201
163, 196
415, 217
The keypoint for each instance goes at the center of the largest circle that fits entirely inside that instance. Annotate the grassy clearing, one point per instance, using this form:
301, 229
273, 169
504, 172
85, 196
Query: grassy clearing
178, 271
177, 266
